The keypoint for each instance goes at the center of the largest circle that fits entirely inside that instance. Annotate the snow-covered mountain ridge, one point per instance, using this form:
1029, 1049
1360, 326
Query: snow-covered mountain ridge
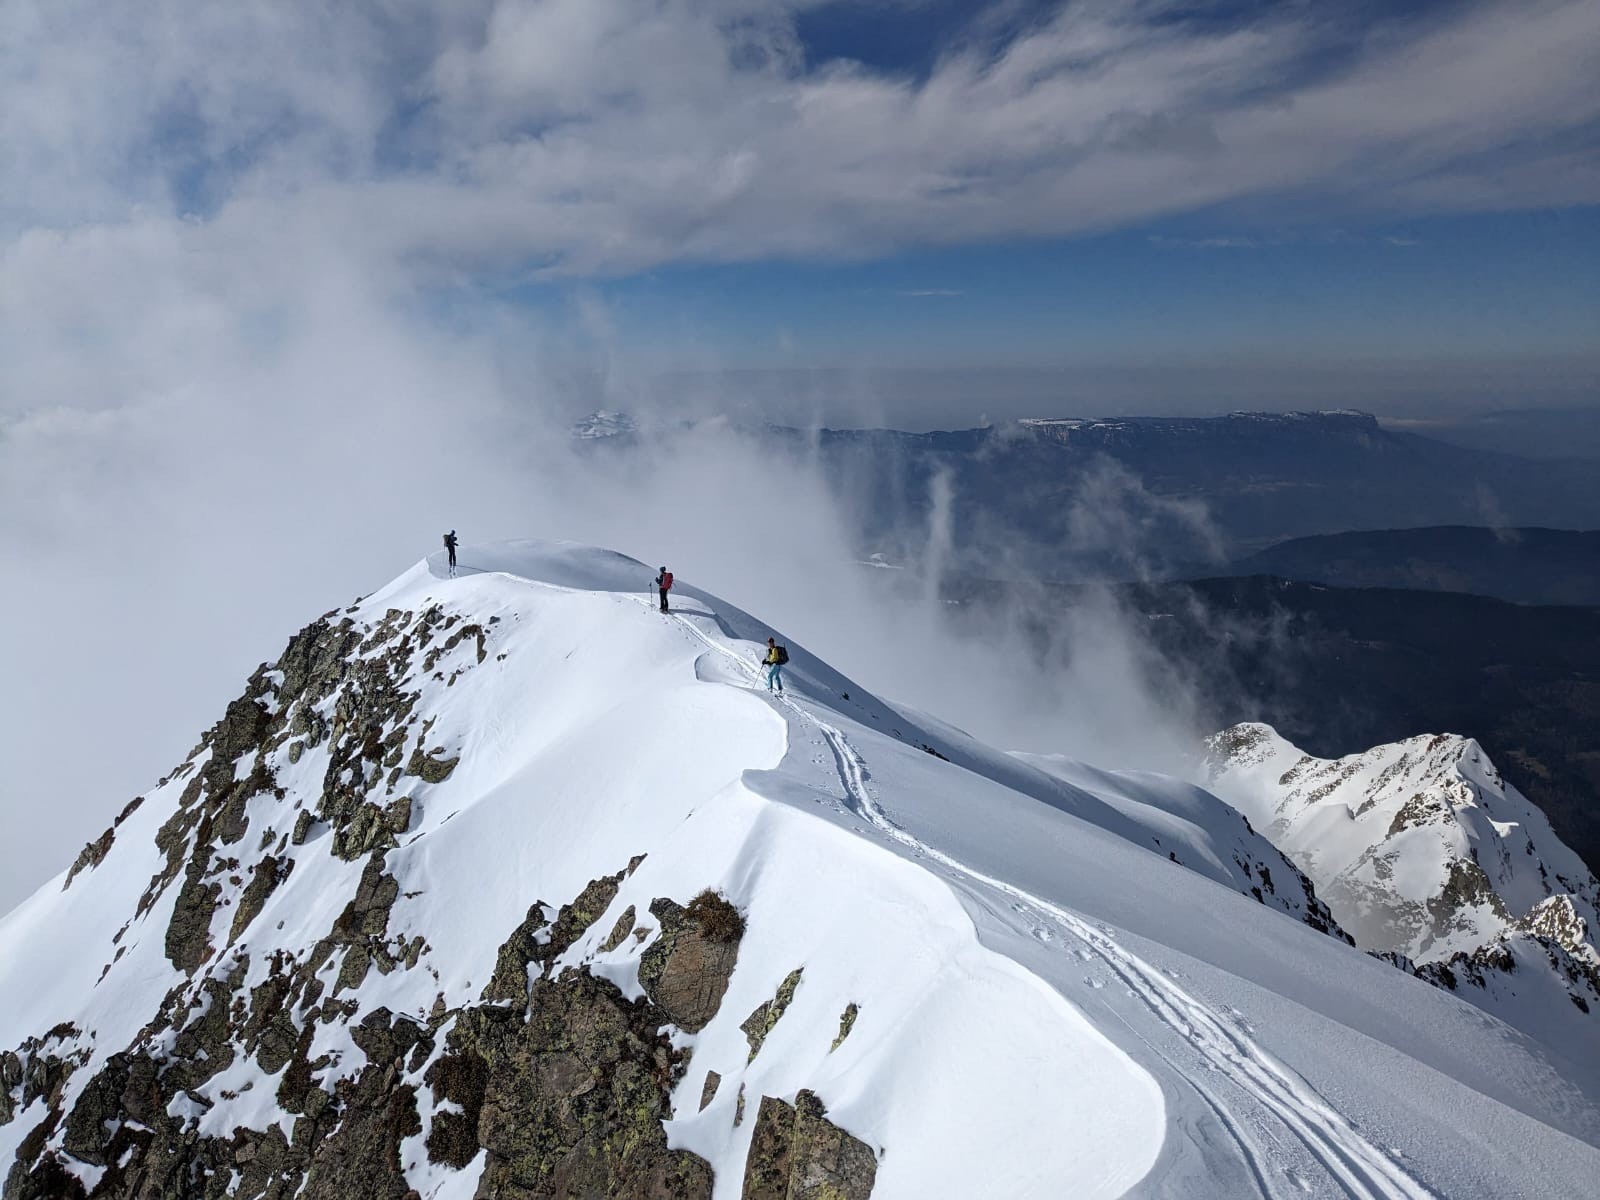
1426, 854
508, 885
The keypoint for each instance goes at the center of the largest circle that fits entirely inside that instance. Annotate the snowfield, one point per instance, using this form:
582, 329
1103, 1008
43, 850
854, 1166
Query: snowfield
1065, 982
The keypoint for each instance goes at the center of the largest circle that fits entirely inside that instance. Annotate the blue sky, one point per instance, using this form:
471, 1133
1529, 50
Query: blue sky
1320, 271
1426, 290
712, 185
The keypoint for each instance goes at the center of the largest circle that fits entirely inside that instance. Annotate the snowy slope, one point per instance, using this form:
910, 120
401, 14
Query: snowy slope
345, 901
1425, 853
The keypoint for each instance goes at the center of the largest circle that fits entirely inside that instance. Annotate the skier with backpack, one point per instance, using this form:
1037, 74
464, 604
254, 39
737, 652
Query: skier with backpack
450, 545
777, 656
664, 585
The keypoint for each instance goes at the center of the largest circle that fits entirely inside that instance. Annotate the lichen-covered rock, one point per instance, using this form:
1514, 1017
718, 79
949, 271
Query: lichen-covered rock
429, 768
525, 945
365, 829
539, 940
363, 925
686, 970
10, 1080
264, 880
188, 940
708, 1089
768, 1166
360, 1160
620, 931
574, 1095
847, 1022
204, 1046
397, 815
92, 856
574, 919
765, 1017
796, 1153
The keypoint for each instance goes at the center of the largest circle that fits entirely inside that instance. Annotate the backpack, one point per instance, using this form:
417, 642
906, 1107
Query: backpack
782, 655
666, 581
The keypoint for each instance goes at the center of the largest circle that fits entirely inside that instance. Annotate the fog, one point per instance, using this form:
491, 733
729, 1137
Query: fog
288, 289
164, 544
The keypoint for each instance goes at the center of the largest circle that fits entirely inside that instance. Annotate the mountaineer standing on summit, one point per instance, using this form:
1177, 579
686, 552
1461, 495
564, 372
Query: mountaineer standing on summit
664, 585
450, 545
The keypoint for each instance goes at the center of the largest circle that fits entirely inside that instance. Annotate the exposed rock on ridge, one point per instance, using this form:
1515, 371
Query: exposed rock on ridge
1433, 862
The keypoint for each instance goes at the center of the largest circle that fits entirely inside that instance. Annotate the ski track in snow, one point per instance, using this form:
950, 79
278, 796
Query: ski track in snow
1352, 1163
1361, 1169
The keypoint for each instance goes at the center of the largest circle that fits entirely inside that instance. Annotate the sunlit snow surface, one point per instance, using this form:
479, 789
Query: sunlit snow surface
1049, 1005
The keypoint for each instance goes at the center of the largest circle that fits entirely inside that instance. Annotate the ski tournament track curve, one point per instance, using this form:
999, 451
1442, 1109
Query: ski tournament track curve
1361, 1169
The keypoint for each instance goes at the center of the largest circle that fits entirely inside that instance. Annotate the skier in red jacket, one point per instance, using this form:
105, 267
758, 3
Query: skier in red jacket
664, 585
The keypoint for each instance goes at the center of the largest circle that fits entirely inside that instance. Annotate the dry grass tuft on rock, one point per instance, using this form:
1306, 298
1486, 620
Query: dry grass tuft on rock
719, 920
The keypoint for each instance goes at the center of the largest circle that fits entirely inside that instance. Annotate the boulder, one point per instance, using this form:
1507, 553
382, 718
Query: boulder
686, 970
796, 1153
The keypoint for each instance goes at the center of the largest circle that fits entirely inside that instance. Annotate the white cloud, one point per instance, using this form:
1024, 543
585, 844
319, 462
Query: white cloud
248, 366
582, 136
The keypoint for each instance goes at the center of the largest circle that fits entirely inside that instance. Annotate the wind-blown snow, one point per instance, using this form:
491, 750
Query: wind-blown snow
1049, 1004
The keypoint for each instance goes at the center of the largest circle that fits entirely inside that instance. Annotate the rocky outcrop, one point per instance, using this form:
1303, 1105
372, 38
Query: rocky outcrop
569, 1096
362, 929
761, 1022
189, 931
686, 970
1436, 864
708, 1089
563, 1086
360, 1159
265, 877
541, 939
554, 1082
796, 1153
10, 1082
620, 931
524, 947
92, 856
847, 1022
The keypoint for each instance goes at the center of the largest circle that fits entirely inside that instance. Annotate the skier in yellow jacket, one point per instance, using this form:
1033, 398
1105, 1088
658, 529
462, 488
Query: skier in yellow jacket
776, 656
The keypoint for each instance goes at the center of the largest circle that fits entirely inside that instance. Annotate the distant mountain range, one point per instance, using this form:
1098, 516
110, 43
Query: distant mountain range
1139, 496
1337, 670
1531, 432
1528, 566
1129, 495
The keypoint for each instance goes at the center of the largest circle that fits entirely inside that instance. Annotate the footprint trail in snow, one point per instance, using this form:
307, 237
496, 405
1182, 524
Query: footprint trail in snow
1351, 1162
